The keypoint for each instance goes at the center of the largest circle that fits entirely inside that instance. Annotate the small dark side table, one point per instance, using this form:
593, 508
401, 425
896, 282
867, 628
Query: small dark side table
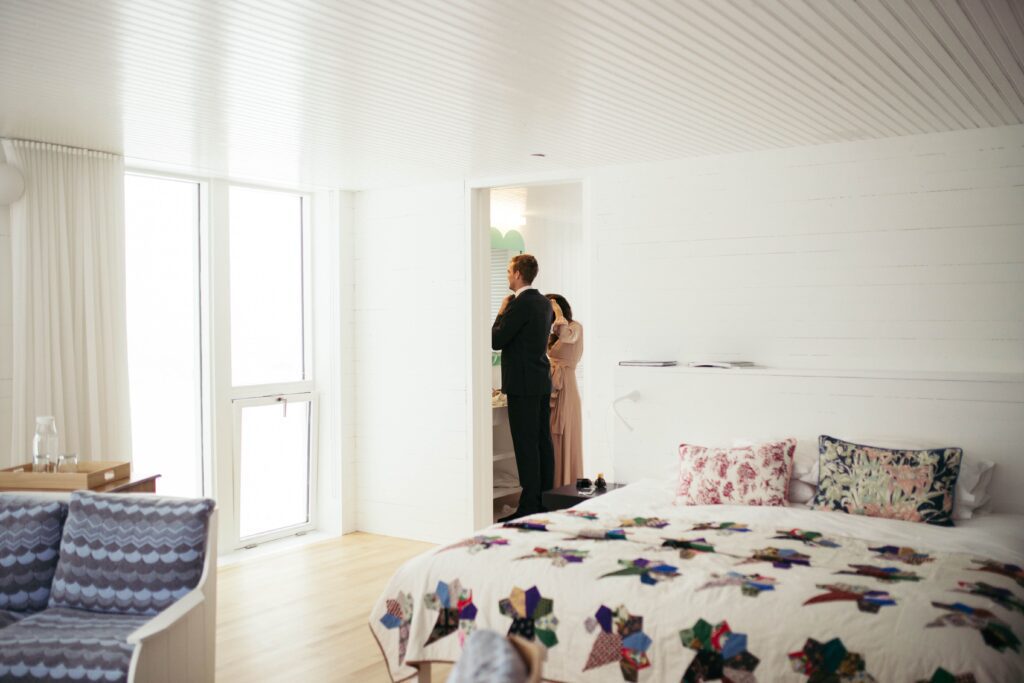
567, 496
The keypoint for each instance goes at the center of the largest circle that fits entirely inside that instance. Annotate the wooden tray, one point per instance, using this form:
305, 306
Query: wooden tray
90, 475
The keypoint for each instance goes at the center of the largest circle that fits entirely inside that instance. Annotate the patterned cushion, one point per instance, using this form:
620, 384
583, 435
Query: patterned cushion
7, 617
913, 485
130, 554
30, 528
745, 475
88, 647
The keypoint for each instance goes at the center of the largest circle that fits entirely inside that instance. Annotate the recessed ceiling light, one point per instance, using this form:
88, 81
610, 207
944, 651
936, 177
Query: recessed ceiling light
538, 154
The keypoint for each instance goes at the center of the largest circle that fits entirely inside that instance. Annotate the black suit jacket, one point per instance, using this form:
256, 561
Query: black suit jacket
521, 334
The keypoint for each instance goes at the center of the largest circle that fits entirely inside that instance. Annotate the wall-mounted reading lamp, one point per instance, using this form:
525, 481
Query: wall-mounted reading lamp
631, 396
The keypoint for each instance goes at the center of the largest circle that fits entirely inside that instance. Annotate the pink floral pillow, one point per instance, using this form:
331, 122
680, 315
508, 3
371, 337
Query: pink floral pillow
743, 475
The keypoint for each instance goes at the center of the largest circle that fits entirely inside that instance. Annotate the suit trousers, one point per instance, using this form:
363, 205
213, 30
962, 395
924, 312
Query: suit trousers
529, 420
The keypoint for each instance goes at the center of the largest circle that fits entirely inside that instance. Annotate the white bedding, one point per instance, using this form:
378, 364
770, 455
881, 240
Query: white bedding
628, 587
997, 536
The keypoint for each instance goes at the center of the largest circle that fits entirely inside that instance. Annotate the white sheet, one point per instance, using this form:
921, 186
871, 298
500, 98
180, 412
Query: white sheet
998, 536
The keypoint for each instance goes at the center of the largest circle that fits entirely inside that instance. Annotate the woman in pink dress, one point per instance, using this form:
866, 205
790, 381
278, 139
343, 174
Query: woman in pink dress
565, 347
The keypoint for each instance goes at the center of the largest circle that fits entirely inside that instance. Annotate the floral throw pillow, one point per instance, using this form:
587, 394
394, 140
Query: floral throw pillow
745, 475
913, 485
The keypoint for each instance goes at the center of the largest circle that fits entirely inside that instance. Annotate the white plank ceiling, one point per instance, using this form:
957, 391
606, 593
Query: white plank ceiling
354, 94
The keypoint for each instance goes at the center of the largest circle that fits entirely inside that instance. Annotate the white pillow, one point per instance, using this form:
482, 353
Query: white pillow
972, 494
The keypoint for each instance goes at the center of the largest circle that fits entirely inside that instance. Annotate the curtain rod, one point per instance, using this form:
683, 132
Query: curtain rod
67, 147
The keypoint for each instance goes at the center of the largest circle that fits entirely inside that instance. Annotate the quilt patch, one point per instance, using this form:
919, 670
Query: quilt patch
1001, 596
867, 600
559, 556
995, 632
829, 662
886, 574
528, 525
723, 527
621, 639
781, 558
943, 676
811, 538
689, 548
649, 522
532, 615
1011, 571
600, 535
582, 514
721, 654
894, 553
650, 573
476, 543
750, 585
456, 611
398, 616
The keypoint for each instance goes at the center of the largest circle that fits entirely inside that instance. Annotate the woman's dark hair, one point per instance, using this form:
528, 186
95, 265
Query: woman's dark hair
566, 311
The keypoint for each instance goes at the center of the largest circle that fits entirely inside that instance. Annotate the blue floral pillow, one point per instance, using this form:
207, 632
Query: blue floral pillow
916, 486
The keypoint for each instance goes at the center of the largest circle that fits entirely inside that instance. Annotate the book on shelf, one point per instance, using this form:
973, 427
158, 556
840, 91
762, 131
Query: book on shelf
725, 364
648, 363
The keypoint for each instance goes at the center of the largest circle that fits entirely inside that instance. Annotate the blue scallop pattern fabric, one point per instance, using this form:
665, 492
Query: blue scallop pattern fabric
8, 617
30, 531
68, 645
130, 554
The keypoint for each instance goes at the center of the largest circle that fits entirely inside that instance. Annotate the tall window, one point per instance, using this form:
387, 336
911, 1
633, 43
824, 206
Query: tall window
245, 278
274, 405
267, 328
162, 221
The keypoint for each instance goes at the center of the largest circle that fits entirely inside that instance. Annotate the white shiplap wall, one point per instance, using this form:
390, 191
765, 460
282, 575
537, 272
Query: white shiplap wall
410, 342
554, 234
905, 254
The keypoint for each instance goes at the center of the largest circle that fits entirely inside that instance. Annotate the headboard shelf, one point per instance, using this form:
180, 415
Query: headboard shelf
917, 375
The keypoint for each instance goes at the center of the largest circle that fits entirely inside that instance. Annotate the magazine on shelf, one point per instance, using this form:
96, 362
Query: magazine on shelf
725, 364
648, 363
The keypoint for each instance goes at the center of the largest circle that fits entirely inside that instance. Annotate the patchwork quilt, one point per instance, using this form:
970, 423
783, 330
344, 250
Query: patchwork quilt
622, 598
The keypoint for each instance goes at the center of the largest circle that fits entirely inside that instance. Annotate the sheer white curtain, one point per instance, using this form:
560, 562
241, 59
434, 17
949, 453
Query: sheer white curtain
68, 308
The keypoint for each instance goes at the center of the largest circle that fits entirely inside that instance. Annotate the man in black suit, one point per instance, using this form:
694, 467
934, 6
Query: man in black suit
521, 332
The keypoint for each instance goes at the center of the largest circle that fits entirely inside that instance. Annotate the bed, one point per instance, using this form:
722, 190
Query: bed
630, 587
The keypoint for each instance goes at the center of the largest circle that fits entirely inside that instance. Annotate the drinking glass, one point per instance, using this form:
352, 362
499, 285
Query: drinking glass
67, 462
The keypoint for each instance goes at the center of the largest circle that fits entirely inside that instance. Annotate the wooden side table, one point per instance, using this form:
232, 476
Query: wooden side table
130, 484
567, 496
133, 485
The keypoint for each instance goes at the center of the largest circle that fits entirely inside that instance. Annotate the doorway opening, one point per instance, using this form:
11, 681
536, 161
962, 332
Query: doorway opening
547, 221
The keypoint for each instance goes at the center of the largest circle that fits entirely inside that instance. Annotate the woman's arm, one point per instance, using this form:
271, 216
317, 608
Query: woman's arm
566, 332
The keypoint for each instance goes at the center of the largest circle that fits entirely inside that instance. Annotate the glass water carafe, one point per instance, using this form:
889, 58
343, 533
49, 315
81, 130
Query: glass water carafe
44, 445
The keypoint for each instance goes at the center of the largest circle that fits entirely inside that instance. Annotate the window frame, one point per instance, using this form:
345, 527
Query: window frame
312, 429
217, 392
228, 491
201, 293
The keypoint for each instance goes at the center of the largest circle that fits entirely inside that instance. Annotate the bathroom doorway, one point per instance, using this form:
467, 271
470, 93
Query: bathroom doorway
546, 220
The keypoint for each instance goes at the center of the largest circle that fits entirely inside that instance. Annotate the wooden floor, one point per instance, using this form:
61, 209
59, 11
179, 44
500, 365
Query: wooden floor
302, 615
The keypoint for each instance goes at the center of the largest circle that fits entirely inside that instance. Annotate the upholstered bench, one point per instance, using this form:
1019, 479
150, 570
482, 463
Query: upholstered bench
107, 587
